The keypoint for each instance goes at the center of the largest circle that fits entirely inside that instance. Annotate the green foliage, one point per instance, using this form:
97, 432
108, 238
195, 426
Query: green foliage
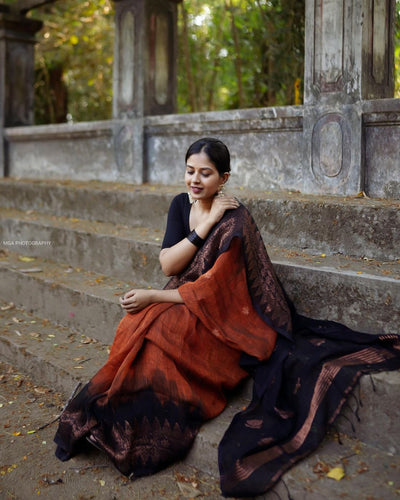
232, 54
74, 61
240, 53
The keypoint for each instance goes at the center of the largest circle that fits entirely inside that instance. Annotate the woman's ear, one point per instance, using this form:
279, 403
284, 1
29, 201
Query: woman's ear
225, 177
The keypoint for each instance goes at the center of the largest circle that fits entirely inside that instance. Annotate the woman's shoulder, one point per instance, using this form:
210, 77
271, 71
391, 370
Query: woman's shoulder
181, 199
180, 206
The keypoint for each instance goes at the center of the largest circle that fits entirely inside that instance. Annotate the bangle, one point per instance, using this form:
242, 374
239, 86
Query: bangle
194, 238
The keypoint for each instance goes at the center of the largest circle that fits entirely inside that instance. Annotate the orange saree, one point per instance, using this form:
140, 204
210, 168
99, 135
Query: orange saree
164, 375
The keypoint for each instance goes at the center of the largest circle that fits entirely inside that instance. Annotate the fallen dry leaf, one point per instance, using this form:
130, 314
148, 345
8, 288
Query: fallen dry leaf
11, 305
336, 473
26, 259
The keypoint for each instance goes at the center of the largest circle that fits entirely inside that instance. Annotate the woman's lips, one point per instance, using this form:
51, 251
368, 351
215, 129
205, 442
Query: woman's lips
196, 190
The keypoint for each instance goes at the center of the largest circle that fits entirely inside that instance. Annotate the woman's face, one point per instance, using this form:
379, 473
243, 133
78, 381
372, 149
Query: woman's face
202, 178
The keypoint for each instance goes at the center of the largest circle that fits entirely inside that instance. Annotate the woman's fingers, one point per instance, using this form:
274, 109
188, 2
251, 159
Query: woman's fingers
135, 300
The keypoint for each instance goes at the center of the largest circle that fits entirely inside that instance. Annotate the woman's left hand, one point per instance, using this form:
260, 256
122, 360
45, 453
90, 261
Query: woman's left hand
136, 300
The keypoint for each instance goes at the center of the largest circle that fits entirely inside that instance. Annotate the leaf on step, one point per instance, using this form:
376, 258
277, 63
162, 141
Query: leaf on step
41, 390
336, 473
11, 305
188, 491
26, 259
88, 340
361, 194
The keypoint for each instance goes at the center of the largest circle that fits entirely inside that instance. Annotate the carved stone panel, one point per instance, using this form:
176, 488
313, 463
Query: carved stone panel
331, 33
349, 50
161, 59
331, 148
160, 90
127, 59
378, 50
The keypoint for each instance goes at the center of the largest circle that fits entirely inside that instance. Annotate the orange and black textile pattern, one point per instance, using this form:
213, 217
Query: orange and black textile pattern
164, 375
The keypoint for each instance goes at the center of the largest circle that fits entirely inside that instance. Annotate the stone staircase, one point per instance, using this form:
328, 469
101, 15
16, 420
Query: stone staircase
70, 249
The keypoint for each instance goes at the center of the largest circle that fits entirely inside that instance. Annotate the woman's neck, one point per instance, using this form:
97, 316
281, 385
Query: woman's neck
203, 206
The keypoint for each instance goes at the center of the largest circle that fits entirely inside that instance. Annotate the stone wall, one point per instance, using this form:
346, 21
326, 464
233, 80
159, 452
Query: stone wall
267, 147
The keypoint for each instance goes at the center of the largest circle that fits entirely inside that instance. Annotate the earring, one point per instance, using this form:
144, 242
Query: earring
221, 190
191, 200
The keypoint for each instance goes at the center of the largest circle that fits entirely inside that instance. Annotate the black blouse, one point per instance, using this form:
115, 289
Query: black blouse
178, 221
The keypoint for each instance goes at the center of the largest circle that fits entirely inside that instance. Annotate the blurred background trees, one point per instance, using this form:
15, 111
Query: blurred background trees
74, 61
232, 54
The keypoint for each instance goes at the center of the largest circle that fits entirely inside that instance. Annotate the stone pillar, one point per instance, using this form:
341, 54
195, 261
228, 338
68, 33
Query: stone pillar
349, 57
144, 75
17, 77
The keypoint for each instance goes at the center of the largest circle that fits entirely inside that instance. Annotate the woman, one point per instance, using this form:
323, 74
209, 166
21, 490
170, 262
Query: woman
164, 375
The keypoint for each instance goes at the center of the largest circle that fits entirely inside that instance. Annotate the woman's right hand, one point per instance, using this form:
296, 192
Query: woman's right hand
220, 205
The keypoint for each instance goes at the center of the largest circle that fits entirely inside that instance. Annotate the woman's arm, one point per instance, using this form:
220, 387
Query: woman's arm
136, 300
175, 259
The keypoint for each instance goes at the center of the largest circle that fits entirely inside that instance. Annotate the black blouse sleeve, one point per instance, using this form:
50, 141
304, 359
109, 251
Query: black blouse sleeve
178, 221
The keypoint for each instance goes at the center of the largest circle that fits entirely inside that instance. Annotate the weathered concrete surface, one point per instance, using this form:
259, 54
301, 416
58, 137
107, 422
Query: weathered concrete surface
121, 251
82, 151
382, 143
364, 302
84, 301
355, 226
100, 201
267, 147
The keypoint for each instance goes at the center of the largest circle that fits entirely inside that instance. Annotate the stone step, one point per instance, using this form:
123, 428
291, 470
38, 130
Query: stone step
369, 474
103, 247
52, 354
362, 293
71, 296
60, 358
355, 226
128, 204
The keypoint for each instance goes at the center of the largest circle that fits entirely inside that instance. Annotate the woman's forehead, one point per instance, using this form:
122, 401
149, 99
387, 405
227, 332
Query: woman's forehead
200, 160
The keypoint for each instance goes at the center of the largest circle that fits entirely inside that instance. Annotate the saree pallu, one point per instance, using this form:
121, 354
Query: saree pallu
170, 365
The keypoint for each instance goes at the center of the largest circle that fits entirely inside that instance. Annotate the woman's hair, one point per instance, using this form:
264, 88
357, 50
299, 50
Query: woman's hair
216, 151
